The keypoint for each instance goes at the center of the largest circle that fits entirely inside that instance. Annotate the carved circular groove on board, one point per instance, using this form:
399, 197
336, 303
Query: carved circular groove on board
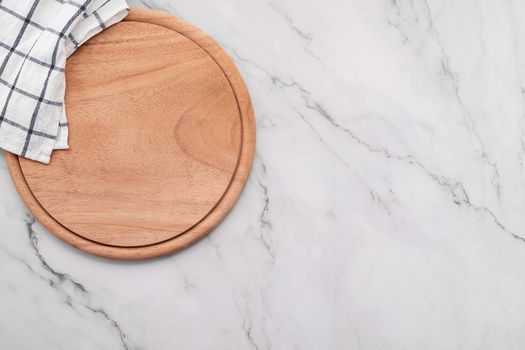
162, 137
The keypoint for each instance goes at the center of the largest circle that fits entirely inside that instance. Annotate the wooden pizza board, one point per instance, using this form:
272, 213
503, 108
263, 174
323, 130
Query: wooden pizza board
162, 137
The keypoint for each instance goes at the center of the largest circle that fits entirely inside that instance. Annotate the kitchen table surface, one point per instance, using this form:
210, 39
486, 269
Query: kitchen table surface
385, 208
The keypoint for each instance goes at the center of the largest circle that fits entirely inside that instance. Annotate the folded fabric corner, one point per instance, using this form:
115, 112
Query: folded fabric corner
36, 39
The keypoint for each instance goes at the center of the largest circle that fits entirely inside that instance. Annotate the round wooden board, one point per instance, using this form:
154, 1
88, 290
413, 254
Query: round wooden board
162, 137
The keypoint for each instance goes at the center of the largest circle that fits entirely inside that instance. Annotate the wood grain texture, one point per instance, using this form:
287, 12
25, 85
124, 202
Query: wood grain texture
162, 137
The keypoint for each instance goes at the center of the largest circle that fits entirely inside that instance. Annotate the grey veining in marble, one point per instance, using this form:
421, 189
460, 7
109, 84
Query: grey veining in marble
385, 209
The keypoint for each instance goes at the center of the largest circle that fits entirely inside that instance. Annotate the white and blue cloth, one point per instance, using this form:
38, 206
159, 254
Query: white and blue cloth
36, 37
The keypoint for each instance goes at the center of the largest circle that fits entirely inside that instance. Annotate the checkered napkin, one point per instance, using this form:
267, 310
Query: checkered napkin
36, 37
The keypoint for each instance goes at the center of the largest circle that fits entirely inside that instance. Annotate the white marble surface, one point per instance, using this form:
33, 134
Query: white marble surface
385, 209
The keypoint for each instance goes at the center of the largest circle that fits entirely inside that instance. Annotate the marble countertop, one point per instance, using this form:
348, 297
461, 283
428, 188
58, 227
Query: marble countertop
385, 210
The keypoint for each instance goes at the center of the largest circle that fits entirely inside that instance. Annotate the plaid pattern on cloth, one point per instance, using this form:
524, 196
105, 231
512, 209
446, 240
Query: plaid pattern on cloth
36, 37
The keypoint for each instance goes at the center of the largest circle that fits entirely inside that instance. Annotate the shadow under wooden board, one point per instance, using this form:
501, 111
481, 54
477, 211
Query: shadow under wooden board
162, 137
